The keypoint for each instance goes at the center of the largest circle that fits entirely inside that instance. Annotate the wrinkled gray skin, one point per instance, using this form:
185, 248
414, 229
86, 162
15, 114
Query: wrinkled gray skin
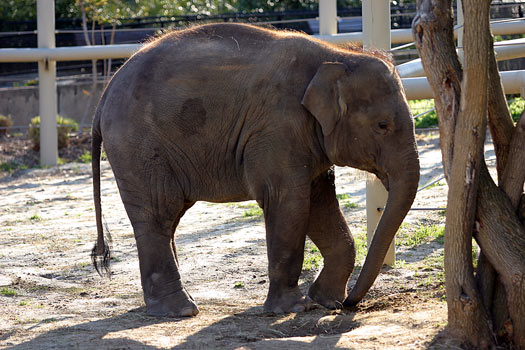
231, 112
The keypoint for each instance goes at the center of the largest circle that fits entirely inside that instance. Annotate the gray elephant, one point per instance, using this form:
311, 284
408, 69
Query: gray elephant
232, 112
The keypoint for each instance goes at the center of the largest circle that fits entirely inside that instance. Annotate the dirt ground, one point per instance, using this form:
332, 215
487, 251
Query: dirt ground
51, 297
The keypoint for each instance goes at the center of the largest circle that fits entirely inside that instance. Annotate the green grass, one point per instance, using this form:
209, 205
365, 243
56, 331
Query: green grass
252, 210
35, 217
85, 157
12, 166
409, 237
238, 285
516, 107
345, 202
312, 257
427, 120
350, 205
360, 246
8, 292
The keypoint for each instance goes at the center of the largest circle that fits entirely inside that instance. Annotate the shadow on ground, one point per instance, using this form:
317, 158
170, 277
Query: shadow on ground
248, 329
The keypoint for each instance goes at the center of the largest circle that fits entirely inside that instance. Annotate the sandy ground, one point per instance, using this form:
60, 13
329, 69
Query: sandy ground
52, 297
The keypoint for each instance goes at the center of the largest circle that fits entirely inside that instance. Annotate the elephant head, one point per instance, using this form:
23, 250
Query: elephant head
367, 124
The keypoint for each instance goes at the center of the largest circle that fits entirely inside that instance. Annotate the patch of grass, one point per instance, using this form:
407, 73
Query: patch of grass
360, 246
84, 264
427, 120
350, 205
344, 201
238, 285
64, 127
23, 303
35, 217
8, 292
252, 210
312, 257
85, 157
422, 234
516, 108
11, 166
401, 264
436, 263
5, 122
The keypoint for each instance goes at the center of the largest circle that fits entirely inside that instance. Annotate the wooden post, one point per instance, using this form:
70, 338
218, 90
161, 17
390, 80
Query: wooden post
47, 90
376, 33
327, 17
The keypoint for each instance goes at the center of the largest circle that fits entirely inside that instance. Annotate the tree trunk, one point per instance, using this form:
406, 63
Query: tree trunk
489, 212
466, 314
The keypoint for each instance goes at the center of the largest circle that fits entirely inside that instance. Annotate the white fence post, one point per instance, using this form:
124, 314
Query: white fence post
327, 17
376, 33
47, 89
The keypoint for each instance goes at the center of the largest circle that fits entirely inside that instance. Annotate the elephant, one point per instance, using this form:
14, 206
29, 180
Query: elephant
234, 112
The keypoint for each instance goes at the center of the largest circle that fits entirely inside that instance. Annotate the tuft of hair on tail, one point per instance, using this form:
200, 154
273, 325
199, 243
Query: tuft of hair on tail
101, 254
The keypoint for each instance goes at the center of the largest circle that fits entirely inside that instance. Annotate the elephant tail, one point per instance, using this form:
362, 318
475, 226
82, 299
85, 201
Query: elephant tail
101, 253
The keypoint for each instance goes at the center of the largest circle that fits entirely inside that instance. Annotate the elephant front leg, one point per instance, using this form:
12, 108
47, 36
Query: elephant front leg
328, 230
286, 221
164, 293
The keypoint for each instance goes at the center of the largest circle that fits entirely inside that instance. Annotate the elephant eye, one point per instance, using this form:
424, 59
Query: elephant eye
383, 127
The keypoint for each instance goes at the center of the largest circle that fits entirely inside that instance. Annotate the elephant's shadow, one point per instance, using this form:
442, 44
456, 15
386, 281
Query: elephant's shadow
246, 328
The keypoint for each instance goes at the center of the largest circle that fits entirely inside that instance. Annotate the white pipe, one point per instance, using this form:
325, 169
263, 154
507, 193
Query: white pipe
505, 50
460, 23
80, 53
418, 88
73, 53
509, 49
47, 89
327, 17
401, 36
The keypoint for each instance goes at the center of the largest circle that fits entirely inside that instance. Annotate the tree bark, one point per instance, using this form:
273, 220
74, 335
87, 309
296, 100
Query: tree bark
500, 121
514, 173
467, 316
434, 36
501, 236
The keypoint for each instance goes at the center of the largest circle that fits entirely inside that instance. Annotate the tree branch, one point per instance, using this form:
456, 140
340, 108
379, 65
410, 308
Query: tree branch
500, 121
434, 36
514, 173
501, 237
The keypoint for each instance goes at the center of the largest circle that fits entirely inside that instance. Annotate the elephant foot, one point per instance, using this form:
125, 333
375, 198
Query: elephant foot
327, 295
286, 301
178, 304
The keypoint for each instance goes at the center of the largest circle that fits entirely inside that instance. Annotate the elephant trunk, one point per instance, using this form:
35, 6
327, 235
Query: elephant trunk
401, 194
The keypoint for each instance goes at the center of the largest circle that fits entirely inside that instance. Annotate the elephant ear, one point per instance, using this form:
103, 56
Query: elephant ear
323, 97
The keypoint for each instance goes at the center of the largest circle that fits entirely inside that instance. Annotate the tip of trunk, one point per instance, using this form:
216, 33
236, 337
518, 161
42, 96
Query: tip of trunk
400, 199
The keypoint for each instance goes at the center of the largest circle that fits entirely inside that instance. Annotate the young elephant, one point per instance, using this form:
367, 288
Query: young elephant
231, 112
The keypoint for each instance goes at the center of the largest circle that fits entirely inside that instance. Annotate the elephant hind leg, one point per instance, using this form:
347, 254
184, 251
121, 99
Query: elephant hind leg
164, 293
154, 212
327, 228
